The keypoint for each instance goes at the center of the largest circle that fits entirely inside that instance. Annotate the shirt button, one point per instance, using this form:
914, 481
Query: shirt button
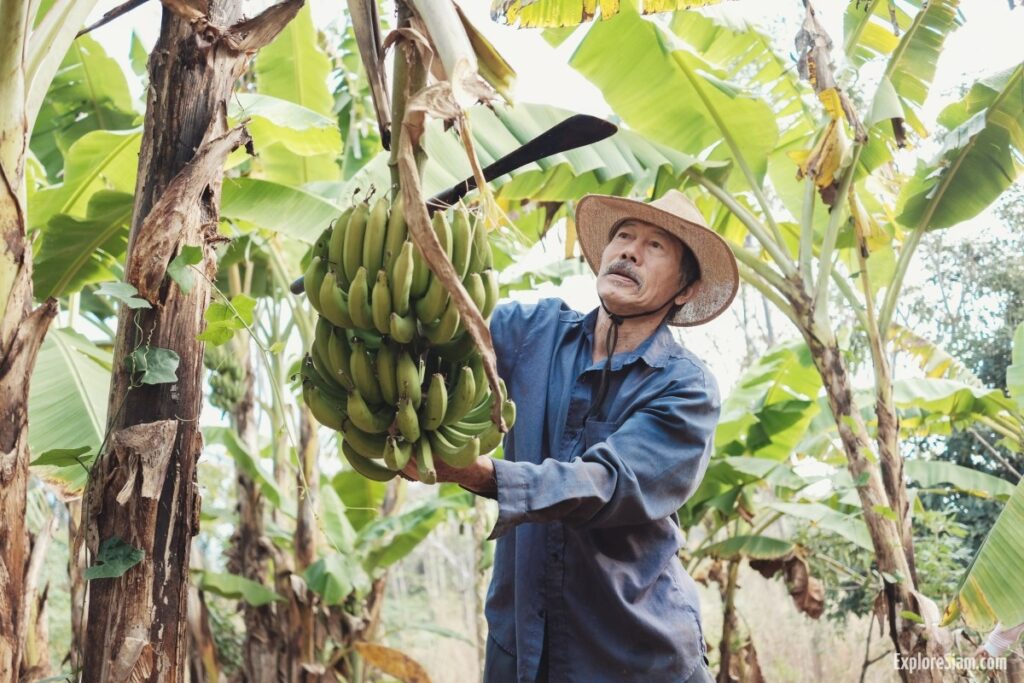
540, 613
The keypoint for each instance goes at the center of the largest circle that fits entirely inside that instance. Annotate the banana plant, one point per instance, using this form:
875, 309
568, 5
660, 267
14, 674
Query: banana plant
34, 44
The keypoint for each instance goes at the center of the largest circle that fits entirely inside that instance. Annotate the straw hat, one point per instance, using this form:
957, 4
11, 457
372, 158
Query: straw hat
597, 215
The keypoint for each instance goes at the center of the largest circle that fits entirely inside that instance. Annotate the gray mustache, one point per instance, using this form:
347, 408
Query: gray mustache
623, 268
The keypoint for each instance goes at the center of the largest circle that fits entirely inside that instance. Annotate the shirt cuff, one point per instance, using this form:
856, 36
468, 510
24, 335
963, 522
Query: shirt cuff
513, 487
1002, 639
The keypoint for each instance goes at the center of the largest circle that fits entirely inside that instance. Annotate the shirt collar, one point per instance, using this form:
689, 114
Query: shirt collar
656, 350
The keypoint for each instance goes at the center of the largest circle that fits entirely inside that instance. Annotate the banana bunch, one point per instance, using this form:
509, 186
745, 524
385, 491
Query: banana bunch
392, 367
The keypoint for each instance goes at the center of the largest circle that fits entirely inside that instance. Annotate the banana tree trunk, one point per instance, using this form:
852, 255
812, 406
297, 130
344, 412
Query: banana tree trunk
22, 329
262, 649
143, 486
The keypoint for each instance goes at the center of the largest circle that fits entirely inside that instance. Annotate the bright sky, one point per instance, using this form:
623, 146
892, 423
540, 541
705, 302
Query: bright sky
990, 40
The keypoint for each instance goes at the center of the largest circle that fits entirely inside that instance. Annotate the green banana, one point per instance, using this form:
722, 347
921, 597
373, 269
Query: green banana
309, 373
336, 248
367, 445
401, 279
461, 399
327, 411
481, 247
323, 369
333, 303
312, 279
480, 377
407, 379
465, 456
406, 419
476, 289
373, 239
380, 303
420, 273
366, 419
364, 372
403, 328
359, 301
321, 337
432, 304
459, 349
352, 256
490, 439
370, 337
387, 364
436, 403
462, 241
364, 466
397, 453
396, 237
339, 357
425, 462
491, 288
444, 330
443, 230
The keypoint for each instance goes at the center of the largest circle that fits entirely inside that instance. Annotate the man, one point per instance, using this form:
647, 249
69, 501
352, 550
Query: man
614, 432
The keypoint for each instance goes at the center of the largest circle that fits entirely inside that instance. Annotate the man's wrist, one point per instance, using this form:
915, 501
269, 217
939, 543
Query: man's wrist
481, 478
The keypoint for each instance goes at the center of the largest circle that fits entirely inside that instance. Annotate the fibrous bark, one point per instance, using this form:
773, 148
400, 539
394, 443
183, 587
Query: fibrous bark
143, 485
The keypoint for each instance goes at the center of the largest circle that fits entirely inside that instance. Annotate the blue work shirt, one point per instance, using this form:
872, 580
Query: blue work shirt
587, 529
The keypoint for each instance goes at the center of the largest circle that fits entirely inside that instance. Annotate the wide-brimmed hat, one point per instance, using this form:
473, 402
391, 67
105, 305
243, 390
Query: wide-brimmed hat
597, 215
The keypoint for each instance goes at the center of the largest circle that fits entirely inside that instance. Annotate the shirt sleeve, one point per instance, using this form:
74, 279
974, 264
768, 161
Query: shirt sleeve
1002, 639
643, 471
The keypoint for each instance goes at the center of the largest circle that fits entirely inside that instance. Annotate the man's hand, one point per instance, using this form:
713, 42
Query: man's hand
478, 477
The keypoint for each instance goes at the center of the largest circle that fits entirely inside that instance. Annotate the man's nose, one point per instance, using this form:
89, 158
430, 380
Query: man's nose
629, 252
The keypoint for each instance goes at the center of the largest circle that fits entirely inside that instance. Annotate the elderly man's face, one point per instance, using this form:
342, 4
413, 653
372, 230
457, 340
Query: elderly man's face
641, 269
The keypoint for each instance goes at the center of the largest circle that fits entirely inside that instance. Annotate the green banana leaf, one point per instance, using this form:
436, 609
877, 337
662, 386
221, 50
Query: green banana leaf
246, 462
981, 156
73, 252
67, 405
286, 210
749, 546
89, 92
100, 160
360, 496
686, 102
990, 590
294, 68
931, 473
846, 525
234, 587
298, 129
768, 411
1015, 372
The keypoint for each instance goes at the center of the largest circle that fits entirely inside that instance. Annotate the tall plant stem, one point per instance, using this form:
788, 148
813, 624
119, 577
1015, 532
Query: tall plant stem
756, 228
829, 242
737, 154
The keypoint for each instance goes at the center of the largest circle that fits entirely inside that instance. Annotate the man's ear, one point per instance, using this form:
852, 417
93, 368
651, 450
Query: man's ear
688, 293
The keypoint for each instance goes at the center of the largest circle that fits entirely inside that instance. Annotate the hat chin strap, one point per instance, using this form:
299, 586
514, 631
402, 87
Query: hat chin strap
611, 340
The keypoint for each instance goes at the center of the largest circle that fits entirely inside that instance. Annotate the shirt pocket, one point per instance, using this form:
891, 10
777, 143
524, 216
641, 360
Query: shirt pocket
595, 432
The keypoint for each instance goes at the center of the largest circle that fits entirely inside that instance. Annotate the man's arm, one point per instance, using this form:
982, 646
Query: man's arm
643, 471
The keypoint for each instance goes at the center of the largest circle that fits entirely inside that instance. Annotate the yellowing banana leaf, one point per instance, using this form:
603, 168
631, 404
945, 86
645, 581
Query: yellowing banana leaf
990, 590
872, 28
933, 360
983, 155
553, 13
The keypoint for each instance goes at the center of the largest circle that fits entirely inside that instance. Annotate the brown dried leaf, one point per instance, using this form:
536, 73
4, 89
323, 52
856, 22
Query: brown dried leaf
808, 592
438, 101
177, 212
393, 662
